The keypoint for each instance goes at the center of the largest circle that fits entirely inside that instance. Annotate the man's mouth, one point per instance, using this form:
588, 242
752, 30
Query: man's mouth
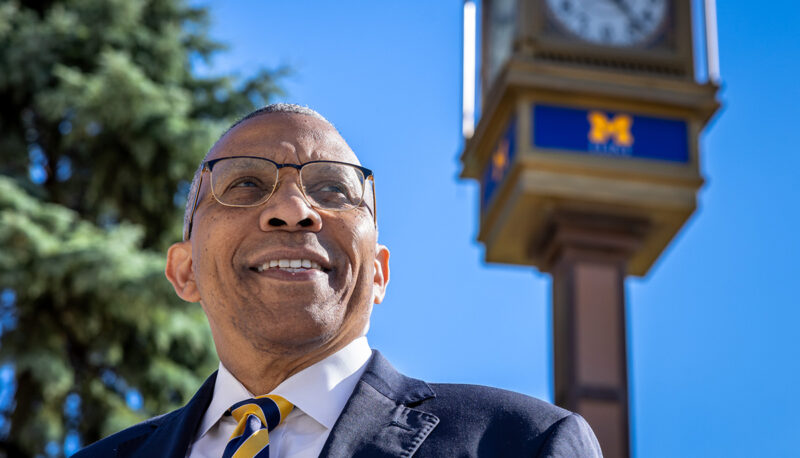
288, 265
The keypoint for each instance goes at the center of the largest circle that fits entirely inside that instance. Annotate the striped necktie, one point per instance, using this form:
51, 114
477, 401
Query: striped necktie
256, 418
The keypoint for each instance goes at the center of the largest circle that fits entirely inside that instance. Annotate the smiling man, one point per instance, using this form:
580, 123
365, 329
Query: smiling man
280, 249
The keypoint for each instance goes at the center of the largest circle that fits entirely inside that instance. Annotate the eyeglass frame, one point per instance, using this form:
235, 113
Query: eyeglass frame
209, 165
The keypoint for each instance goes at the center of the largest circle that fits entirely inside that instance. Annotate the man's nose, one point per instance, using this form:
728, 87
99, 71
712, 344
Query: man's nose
288, 210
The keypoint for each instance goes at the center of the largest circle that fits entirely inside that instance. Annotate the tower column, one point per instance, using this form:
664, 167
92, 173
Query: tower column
587, 256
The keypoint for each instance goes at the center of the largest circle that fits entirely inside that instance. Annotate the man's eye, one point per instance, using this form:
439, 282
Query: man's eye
331, 188
245, 183
328, 187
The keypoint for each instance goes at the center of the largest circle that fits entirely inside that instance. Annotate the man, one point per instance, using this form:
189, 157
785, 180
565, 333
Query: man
280, 249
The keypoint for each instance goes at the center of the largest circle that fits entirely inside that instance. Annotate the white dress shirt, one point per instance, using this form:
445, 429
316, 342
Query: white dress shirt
318, 392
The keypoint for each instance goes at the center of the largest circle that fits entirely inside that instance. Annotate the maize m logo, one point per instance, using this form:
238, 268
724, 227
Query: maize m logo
610, 135
499, 160
499, 163
560, 129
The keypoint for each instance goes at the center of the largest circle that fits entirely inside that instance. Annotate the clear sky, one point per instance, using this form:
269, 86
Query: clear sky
712, 330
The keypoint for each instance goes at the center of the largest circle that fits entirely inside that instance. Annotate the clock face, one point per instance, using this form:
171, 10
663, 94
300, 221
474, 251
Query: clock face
500, 34
620, 23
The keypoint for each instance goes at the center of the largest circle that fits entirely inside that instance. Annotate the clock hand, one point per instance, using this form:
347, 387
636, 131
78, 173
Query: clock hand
623, 6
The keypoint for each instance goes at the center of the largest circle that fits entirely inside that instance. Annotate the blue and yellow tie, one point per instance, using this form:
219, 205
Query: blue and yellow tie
256, 418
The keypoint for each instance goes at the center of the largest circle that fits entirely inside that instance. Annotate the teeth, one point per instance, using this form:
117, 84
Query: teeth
289, 265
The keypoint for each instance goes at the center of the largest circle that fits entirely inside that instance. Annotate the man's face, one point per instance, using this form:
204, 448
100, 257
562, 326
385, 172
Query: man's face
284, 310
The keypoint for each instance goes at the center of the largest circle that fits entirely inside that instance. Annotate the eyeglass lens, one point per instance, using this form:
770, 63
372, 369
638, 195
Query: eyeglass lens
250, 181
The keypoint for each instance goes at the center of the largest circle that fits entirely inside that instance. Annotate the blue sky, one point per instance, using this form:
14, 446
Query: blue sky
713, 348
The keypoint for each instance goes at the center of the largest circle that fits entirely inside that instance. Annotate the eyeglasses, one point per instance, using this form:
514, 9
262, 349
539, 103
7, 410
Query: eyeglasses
248, 181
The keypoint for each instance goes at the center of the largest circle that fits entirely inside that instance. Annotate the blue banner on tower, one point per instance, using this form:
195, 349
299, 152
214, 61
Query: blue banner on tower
499, 163
610, 133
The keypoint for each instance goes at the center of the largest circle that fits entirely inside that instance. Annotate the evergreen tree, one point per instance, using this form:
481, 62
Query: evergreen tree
102, 121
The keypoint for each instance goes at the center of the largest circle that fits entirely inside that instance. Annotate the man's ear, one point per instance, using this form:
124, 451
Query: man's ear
179, 271
381, 278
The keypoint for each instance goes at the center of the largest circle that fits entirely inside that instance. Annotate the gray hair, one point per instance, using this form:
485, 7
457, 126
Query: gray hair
272, 108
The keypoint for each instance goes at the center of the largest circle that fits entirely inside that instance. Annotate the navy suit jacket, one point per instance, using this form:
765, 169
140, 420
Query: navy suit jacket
390, 414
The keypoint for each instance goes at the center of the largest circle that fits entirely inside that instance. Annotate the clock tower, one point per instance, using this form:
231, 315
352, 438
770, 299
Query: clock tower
587, 155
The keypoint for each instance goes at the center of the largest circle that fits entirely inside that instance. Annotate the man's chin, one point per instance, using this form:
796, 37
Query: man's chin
297, 329
287, 344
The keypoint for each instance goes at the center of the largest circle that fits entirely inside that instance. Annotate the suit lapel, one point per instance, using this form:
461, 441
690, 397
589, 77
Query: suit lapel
377, 420
174, 432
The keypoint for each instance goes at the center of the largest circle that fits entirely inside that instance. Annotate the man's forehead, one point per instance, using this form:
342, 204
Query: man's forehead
284, 137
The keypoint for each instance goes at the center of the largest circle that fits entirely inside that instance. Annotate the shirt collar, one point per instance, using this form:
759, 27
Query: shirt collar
320, 390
